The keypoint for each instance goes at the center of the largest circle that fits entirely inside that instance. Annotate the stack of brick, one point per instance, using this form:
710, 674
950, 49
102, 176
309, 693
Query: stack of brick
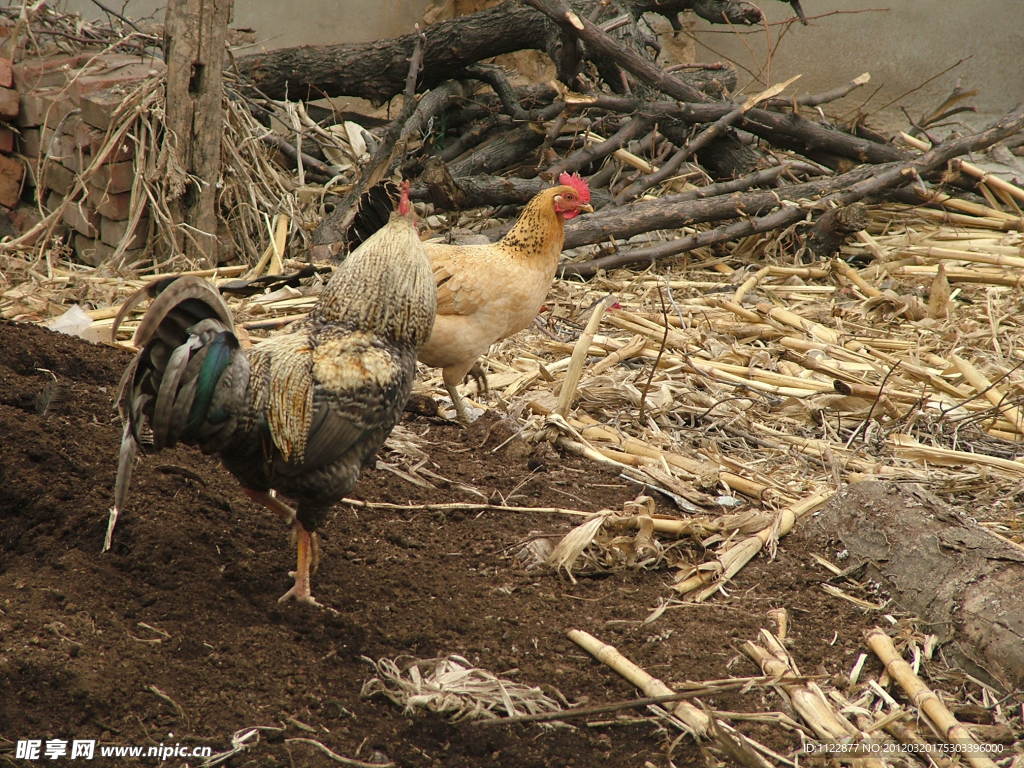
66, 110
12, 170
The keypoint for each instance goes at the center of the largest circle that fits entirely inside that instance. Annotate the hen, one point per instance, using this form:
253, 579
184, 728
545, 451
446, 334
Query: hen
488, 292
299, 413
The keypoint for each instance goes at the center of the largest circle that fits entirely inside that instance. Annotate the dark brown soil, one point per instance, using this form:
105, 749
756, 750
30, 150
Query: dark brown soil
185, 604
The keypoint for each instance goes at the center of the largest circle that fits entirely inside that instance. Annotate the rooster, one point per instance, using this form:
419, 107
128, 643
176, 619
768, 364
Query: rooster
299, 413
487, 292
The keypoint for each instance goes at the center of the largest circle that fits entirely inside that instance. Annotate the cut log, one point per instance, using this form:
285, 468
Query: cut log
376, 70
833, 228
964, 582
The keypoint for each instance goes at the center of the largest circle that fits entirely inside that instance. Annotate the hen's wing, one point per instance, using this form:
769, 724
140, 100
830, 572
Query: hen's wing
460, 273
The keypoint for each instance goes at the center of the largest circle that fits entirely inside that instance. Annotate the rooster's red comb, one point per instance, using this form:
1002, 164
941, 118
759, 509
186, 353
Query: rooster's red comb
403, 200
578, 183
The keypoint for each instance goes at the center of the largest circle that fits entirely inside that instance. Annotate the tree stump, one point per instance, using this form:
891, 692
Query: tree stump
964, 582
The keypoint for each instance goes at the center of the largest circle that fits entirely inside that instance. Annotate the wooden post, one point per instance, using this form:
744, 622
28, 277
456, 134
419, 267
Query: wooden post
195, 32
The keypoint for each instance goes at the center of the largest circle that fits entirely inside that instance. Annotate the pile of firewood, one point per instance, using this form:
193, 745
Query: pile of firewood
675, 160
662, 149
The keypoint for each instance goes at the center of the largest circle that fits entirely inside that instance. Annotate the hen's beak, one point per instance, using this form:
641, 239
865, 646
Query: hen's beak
585, 208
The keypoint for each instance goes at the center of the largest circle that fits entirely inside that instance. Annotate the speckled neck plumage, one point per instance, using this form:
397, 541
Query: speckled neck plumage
536, 227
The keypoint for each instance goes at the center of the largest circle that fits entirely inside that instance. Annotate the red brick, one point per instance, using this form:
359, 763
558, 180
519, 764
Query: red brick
6, 73
30, 74
114, 177
96, 252
6, 140
9, 103
92, 140
81, 218
119, 77
48, 106
113, 232
59, 147
110, 205
54, 200
30, 142
56, 177
12, 171
97, 108
24, 217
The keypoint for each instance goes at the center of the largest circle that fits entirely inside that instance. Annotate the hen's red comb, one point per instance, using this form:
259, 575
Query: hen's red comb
578, 183
404, 206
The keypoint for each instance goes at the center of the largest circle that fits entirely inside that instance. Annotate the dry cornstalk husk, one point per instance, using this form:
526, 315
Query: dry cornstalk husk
922, 697
452, 686
806, 698
710, 577
696, 720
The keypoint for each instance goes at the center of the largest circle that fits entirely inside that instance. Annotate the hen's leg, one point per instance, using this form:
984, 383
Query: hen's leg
461, 413
477, 372
308, 555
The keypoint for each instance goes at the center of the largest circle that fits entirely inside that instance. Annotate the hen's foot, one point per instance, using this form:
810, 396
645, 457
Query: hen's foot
461, 411
478, 375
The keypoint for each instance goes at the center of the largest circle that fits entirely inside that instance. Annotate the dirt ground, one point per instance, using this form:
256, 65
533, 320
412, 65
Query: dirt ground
176, 636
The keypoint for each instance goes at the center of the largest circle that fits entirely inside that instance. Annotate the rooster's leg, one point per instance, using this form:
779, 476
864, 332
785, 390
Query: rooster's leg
308, 555
274, 504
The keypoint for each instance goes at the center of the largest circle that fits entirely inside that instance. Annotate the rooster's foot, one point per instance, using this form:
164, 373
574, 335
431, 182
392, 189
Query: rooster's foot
307, 545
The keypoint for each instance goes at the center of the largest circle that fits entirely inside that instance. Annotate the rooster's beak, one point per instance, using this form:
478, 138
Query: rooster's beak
585, 208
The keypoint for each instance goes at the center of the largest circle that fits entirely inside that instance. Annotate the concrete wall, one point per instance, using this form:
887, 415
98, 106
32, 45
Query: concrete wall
284, 23
901, 43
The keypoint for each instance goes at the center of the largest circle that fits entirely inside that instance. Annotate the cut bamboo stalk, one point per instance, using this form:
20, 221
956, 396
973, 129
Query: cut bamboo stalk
708, 578
925, 699
969, 168
695, 719
623, 155
968, 220
992, 393
702, 469
629, 350
651, 330
960, 275
806, 697
844, 270
839, 353
715, 372
955, 254
270, 259
792, 319
736, 309
749, 284
579, 357
908, 448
